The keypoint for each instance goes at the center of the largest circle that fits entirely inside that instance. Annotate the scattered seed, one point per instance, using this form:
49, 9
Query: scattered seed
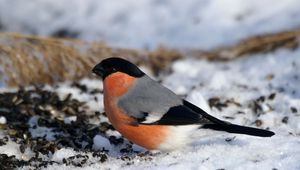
261, 99
258, 122
270, 76
82, 87
228, 117
285, 119
230, 139
294, 110
216, 102
240, 112
272, 96
115, 141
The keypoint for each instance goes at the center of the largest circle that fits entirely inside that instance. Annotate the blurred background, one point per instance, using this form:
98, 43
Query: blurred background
201, 24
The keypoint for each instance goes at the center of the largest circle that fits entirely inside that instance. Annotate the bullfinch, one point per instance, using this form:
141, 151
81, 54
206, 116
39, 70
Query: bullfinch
149, 114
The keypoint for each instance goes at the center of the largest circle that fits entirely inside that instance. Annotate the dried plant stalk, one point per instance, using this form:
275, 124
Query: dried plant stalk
26, 60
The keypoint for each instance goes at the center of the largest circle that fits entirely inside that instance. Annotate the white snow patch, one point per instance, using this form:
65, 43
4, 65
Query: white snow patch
101, 142
11, 148
70, 119
63, 153
3, 120
39, 131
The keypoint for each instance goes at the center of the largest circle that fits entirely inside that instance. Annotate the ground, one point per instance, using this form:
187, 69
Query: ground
64, 126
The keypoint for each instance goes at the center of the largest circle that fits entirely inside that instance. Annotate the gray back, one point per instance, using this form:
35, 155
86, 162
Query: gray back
148, 96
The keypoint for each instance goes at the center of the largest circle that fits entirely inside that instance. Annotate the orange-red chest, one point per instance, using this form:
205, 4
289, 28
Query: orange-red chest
148, 136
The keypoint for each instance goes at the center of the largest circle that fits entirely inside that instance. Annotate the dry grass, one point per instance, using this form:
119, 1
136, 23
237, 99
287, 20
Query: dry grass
252, 45
27, 60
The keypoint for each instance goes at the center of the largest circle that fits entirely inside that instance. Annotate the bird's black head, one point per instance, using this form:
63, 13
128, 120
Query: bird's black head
112, 65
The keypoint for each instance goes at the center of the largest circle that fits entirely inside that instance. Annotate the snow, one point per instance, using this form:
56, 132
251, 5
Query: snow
101, 142
2, 120
39, 131
244, 81
63, 153
196, 23
70, 119
11, 148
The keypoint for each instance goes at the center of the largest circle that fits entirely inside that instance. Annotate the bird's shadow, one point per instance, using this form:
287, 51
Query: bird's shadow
219, 140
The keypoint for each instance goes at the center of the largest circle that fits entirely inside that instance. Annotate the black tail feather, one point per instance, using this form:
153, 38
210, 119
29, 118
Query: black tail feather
221, 125
232, 128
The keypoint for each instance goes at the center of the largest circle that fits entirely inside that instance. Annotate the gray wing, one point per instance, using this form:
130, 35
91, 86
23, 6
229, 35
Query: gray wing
151, 103
148, 100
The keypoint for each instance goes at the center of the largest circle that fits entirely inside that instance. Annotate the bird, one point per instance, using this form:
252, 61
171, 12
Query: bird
151, 115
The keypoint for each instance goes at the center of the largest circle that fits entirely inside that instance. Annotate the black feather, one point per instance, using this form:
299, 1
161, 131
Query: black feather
188, 113
232, 128
220, 125
114, 64
178, 115
203, 113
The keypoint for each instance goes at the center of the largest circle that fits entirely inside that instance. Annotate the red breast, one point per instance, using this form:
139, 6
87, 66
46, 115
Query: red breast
148, 136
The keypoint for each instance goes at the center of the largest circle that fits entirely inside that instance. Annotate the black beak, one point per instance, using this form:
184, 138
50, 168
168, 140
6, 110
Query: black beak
99, 70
